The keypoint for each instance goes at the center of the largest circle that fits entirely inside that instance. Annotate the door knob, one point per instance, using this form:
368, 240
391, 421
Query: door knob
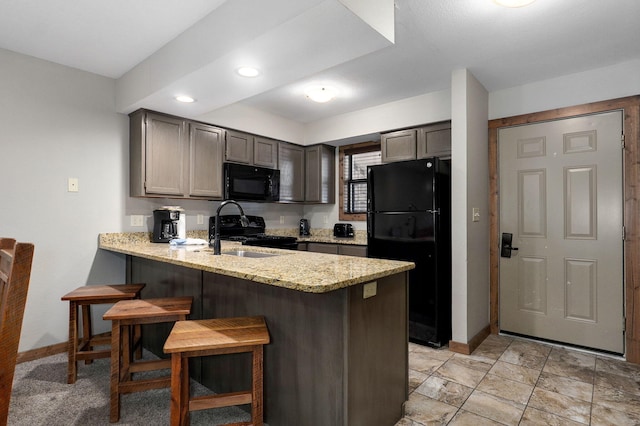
507, 248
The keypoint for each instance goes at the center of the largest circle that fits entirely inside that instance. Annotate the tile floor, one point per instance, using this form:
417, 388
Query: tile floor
508, 381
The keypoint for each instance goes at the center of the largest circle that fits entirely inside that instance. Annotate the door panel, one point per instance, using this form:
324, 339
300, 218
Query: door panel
561, 197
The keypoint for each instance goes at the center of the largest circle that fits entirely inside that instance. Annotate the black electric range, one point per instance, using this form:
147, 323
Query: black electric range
253, 235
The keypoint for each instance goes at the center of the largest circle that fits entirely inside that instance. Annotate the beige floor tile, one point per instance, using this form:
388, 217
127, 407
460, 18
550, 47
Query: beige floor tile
628, 383
518, 373
439, 353
526, 354
601, 416
561, 405
575, 365
494, 408
461, 374
423, 363
616, 400
405, 421
536, 417
425, 410
415, 379
445, 391
471, 362
465, 418
506, 389
566, 386
619, 367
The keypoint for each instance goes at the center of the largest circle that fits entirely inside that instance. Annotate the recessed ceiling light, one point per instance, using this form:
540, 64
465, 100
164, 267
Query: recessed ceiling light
248, 71
513, 3
185, 99
320, 94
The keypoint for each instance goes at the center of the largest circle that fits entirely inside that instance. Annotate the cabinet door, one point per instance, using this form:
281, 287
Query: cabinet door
434, 141
205, 161
320, 174
239, 147
165, 152
265, 152
353, 250
322, 248
291, 165
398, 146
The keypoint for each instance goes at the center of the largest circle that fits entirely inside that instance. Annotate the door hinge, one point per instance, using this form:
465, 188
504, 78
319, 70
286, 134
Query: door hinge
624, 233
624, 324
622, 140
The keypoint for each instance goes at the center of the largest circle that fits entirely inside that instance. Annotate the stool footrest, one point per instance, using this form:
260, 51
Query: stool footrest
84, 355
144, 385
159, 364
220, 400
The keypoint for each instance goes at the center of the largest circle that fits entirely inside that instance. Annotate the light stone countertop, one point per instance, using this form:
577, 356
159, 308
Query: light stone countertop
296, 270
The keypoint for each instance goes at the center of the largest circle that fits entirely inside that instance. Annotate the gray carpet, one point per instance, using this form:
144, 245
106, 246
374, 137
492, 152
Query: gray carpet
41, 396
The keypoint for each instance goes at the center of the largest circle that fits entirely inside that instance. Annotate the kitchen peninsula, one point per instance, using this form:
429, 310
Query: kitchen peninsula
338, 324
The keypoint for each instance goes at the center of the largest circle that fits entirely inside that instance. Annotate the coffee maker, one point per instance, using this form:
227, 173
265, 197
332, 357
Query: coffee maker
305, 229
168, 223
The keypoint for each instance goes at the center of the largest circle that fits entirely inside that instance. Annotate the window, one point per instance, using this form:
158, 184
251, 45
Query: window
354, 160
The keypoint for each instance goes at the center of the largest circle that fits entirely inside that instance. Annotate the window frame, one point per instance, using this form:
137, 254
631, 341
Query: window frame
344, 151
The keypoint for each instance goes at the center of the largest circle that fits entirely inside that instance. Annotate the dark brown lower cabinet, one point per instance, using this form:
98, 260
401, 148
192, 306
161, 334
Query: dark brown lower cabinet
335, 358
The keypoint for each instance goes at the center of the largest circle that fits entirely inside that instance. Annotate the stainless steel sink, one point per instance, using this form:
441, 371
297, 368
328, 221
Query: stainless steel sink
244, 253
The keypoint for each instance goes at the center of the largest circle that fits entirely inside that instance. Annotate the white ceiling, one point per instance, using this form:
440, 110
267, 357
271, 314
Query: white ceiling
159, 48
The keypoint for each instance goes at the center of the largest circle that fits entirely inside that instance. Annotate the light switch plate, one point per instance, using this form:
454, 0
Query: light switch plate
200, 219
475, 214
72, 185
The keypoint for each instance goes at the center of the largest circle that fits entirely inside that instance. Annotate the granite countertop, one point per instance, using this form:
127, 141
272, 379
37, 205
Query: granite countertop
296, 270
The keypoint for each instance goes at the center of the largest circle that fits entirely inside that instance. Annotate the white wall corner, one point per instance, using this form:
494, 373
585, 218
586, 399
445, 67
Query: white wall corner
470, 188
378, 14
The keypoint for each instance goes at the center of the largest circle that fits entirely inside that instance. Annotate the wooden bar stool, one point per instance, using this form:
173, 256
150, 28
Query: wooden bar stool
123, 316
215, 337
81, 348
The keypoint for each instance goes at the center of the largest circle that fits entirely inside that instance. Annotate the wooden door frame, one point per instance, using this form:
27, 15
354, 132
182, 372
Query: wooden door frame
630, 107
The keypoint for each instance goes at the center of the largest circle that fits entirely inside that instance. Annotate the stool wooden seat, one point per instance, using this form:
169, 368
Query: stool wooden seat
81, 348
123, 316
215, 337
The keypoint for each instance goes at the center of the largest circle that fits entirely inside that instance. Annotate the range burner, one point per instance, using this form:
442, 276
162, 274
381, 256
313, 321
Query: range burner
253, 235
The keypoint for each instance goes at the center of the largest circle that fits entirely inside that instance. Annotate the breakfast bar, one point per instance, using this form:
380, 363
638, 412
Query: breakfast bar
338, 324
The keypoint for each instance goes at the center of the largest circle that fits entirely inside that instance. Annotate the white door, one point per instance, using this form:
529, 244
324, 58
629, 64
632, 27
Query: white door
561, 198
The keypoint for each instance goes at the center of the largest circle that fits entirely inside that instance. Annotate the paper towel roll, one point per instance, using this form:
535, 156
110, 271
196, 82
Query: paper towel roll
182, 226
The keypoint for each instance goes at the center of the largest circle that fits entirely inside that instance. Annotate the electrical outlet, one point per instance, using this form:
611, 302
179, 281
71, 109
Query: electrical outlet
72, 185
326, 219
200, 219
281, 220
137, 220
369, 289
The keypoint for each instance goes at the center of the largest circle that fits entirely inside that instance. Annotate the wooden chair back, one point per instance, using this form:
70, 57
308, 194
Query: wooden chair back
15, 271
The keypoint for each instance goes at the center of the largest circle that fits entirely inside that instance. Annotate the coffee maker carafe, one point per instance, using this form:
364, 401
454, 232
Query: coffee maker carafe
165, 224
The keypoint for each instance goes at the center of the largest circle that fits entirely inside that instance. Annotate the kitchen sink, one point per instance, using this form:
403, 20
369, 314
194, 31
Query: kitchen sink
245, 253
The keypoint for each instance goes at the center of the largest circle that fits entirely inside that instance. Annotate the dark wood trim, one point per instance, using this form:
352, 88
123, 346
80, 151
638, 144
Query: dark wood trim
43, 352
631, 127
468, 348
348, 150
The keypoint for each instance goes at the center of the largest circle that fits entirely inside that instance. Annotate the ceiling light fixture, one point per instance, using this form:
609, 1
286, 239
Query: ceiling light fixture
248, 71
320, 94
513, 3
185, 99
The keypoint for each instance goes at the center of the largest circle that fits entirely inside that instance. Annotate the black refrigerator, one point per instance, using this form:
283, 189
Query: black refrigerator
409, 218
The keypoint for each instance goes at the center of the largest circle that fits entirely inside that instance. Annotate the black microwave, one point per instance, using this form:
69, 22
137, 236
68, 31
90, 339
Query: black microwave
251, 183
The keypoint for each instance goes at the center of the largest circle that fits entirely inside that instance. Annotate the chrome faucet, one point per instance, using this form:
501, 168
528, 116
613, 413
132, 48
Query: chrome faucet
216, 237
